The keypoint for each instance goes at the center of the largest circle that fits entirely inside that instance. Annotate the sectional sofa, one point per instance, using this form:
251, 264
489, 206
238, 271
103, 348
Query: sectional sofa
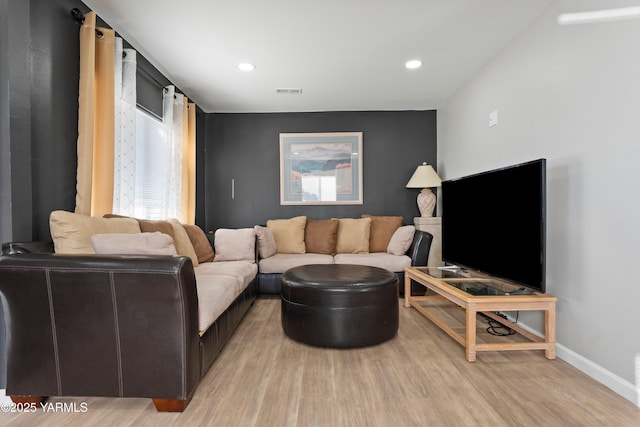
135, 308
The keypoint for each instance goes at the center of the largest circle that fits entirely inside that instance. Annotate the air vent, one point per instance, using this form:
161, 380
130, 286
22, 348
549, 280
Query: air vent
290, 90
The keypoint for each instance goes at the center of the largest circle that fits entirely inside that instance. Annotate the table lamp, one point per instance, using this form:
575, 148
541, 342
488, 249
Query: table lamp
425, 177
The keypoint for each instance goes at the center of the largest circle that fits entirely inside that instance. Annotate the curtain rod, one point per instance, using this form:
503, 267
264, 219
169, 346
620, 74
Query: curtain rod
78, 16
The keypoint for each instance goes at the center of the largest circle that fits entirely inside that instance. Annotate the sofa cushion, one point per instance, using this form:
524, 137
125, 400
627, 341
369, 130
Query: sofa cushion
382, 228
182, 241
353, 236
266, 241
155, 243
288, 234
199, 241
235, 244
218, 284
246, 271
395, 263
321, 236
401, 240
71, 232
215, 294
279, 263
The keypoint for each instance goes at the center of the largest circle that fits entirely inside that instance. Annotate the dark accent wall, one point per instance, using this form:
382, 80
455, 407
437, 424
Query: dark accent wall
41, 113
245, 147
39, 61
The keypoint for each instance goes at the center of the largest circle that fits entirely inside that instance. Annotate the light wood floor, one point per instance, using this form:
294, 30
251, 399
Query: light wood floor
419, 378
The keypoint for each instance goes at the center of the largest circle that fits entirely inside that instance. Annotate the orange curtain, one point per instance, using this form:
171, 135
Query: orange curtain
96, 119
188, 187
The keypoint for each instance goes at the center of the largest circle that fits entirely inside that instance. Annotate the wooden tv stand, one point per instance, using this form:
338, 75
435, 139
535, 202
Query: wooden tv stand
498, 297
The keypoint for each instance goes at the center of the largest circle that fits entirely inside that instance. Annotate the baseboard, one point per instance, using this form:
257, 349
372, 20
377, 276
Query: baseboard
619, 385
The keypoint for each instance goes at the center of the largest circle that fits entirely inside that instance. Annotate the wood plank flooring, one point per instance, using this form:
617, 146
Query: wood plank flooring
419, 378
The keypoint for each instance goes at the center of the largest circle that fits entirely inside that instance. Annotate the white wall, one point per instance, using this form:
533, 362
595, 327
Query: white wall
570, 94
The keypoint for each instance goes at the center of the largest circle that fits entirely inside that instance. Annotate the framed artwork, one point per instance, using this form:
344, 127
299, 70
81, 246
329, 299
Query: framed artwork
321, 168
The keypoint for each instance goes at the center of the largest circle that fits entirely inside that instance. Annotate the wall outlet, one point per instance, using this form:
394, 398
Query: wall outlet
493, 118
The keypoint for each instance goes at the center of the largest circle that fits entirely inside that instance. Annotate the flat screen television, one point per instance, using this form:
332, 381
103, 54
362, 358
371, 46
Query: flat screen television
494, 222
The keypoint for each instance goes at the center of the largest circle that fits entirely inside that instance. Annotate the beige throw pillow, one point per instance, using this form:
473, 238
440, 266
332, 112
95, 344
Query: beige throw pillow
288, 234
401, 240
266, 241
182, 242
238, 244
71, 232
155, 243
353, 236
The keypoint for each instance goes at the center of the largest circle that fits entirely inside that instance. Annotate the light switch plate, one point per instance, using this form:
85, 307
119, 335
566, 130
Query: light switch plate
493, 118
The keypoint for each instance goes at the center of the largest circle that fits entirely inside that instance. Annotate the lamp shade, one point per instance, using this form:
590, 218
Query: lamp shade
424, 177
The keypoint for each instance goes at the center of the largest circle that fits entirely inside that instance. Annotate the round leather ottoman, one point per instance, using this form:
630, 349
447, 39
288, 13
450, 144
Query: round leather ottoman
339, 305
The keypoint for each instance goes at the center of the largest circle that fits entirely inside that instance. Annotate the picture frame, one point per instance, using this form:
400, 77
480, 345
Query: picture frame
321, 168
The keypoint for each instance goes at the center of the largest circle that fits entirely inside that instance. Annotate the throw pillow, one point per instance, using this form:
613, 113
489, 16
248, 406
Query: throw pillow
182, 242
321, 236
71, 232
200, 242
235, 244
401, 240
353, 236
382, 228
288, 234
266, 241
148, 225
155, 243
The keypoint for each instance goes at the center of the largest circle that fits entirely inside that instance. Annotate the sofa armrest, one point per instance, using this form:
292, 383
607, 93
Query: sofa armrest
420, 247
97, 325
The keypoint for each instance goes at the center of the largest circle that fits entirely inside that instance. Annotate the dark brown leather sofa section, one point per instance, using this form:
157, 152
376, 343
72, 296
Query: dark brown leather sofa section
118, 326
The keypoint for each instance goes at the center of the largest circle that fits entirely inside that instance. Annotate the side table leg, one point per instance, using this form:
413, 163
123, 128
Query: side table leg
550, 331
407, 290
470, 338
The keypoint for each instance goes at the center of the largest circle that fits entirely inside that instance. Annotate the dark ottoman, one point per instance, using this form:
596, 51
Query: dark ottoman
339, 305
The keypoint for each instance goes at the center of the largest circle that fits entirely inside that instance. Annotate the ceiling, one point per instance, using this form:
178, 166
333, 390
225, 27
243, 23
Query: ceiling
343, 54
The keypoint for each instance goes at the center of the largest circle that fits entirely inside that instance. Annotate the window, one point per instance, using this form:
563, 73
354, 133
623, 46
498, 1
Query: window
150, 185
154, 161
150, 179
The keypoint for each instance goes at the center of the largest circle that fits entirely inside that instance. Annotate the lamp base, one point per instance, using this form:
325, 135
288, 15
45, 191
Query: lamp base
426, 202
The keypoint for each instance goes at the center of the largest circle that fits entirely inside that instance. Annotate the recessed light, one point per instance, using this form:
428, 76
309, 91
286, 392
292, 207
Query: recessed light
413, 64
246, 66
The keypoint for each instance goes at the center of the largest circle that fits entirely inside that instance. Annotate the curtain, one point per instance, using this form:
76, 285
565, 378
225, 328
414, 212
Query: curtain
172, 115
180, 126
96, 119
107, 143
188, 201
124, 168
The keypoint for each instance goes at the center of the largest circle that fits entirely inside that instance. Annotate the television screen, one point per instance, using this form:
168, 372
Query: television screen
494, 222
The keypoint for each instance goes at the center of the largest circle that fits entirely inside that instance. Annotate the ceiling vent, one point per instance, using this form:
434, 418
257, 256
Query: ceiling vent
289, 90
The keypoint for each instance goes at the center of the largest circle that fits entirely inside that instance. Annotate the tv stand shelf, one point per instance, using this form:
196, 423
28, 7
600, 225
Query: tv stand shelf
496, 295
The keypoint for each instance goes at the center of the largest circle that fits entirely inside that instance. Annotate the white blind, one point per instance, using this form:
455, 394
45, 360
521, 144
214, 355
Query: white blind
153, 154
